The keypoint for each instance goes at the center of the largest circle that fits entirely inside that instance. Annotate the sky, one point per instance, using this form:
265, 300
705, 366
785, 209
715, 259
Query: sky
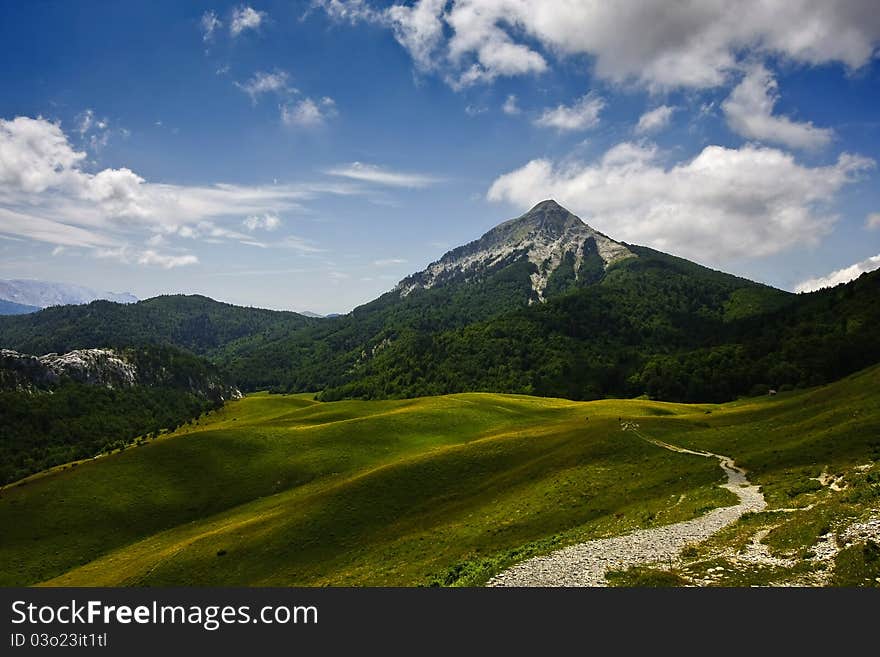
309, 155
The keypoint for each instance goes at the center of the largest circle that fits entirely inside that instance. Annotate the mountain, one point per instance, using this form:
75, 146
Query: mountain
61, 407
541, 304
43, 294
561, 249
12, 308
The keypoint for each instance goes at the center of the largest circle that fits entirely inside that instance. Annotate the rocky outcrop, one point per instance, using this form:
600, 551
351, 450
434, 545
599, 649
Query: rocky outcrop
108, 368
547, 235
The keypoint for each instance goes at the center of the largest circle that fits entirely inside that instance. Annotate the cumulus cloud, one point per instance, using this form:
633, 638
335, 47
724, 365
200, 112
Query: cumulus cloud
262, 222
582, 115
35, 155
418, 28
844, 275
375, 174
654, 120
723, 203
873, 220
265, 82
209, 24
47, 196
657, 44
308, 113
510, 106
749, 112
245, 18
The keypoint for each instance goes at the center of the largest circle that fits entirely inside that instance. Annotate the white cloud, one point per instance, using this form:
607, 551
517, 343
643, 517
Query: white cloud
510, 106
658, 44
150, 257
308, 113
654, 120
97, 130
844, 275
85, 121
299, 244
263, 83
582, 115
34, 155
47, 196
264, 222
209, 24
245, 18
749, 112
374, 174
872, 220
475, 110
347, 10
723, 203
419, 28
387, 262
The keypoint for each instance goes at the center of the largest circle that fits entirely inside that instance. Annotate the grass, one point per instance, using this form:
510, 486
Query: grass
283, 490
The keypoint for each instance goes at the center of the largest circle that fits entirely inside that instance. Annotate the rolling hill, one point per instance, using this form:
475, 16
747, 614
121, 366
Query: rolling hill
281, 490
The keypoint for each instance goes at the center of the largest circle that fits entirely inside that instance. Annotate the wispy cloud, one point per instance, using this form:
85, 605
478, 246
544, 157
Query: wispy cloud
264, 82
308, 113
46, 196
209, 24
149, 257
510, 106
375, 174
246, 18
387, 262
264, 222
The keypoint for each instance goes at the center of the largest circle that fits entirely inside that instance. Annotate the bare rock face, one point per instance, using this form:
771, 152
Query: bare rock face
547, 235
102, 367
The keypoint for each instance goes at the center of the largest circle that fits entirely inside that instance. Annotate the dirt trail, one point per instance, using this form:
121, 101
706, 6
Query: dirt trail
585, 564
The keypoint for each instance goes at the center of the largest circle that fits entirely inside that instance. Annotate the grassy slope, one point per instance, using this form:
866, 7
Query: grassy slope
345, 493
281, 490
787, 443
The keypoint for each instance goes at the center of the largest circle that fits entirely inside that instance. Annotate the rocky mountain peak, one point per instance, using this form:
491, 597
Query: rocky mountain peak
547, 236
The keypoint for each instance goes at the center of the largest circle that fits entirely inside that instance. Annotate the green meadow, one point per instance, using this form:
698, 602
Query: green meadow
284, 490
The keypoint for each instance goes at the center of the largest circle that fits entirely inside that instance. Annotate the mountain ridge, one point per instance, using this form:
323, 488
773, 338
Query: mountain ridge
42, 294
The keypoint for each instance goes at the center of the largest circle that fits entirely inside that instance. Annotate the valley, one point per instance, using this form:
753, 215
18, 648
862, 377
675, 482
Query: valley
451, 490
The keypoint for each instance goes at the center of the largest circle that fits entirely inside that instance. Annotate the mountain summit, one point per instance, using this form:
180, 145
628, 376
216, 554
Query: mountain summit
556, 243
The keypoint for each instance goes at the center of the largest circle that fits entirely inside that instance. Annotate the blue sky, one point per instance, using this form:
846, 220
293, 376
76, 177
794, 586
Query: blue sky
308, 155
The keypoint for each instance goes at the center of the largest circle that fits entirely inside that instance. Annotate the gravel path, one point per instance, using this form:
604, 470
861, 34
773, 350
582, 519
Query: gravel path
585, 564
